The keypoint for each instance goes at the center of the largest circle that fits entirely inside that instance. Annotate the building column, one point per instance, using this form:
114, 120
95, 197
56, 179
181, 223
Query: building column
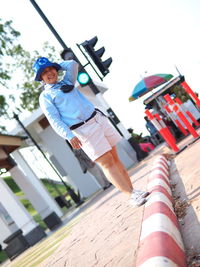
35, 192
30, 229
12, 240
7, 226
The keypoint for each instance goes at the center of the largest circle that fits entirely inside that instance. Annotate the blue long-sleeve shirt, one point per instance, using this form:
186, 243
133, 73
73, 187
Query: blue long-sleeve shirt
65, 109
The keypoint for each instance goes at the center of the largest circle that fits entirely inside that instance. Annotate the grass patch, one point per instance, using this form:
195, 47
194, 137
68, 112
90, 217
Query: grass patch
54, 189
41, 251
27, 204
3, 256
46, 248
13, 186
38, 220
50, 252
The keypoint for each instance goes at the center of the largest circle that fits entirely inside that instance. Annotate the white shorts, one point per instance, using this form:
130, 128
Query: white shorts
97, 136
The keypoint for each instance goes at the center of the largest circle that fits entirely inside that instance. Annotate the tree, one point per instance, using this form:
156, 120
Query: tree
30, 89
180, 93
16, 73
8, 36
7, 44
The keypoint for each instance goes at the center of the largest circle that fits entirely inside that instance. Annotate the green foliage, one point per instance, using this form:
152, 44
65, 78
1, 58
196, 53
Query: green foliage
8, 36
137, 137
30, 96
48, 184
30, 90
11, 183
180, 93
51, 189
38, 220
3, 105
27, 204
8, 48
3, 256
16, 72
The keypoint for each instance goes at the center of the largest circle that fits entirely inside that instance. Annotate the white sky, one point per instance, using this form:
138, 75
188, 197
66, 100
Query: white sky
145, 36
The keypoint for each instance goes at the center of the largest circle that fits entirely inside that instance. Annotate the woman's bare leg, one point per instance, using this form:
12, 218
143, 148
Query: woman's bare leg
121, 166
115, 171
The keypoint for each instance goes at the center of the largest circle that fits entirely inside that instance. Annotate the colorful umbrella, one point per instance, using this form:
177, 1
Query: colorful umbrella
148, 83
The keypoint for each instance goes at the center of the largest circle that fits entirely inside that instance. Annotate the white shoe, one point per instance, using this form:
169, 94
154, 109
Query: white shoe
141, 193
137, 200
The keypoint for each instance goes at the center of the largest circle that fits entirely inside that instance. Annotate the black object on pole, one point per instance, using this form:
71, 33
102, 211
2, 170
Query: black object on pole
83, 77
89, 62
69, 54
76, 198
96, 55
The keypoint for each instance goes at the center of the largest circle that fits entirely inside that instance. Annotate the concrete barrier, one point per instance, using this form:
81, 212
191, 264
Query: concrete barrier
160, 239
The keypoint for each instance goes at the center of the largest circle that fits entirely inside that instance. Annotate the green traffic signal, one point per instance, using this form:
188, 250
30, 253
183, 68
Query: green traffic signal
83, 78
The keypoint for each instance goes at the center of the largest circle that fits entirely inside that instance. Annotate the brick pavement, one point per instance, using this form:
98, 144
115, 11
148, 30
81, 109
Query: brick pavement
108, 233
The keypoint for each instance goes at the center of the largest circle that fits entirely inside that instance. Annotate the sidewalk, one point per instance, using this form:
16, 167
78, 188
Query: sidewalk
185, 176
106, 230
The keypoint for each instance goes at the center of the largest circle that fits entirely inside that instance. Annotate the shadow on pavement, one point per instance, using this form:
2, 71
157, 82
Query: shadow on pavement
197, 191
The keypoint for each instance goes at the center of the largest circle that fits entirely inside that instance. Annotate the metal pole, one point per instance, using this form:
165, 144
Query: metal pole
49, 24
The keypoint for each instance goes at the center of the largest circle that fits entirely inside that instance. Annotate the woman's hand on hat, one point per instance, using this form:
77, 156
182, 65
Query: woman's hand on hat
76, 143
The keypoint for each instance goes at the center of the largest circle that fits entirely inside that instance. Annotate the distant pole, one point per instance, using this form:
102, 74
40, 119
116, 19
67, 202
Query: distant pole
178, 71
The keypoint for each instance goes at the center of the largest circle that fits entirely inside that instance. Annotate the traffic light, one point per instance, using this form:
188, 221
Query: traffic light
96, 55
83, 77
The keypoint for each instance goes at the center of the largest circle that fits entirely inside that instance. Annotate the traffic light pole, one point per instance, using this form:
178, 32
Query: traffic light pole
62, 43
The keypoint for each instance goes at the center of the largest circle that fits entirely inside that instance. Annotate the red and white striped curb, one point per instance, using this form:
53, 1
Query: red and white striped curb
160, 240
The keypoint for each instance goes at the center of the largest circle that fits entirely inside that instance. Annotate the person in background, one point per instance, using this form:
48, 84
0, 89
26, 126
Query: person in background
150, 127
135, 144
75, 119
155, 136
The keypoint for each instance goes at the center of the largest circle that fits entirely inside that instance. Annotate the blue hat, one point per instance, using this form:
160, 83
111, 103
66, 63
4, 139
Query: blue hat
41, 64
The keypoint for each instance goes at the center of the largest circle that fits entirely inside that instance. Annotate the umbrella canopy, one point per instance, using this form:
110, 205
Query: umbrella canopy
148, 83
